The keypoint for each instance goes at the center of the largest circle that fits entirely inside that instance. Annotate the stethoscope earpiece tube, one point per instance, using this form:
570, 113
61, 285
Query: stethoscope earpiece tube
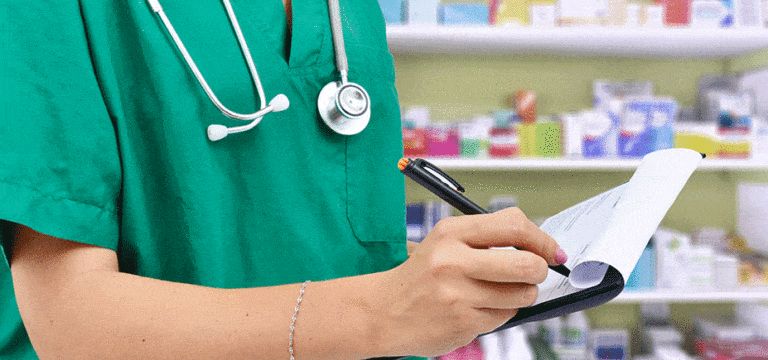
345, 108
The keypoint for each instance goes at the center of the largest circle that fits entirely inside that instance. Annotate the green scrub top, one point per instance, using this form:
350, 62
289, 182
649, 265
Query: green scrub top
104, 143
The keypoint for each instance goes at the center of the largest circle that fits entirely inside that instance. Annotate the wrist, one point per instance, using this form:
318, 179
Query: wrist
382, 334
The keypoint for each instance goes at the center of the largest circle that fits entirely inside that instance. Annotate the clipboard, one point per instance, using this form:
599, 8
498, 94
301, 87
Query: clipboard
611, 286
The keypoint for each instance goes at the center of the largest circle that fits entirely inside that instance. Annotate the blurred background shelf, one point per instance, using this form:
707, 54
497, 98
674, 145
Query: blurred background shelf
586, 164
694, 295
578, 41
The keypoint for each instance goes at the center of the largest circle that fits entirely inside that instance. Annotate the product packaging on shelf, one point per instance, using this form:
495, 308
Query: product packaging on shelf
652, 16
643, 276
422, 217
701, 137
700, 263
415, 123
676, 12
617, 13
604, 91
504, 140
734, 112
465, 14
572, 134
759, 138
510, 12
711, 14
543, 15
581, 12
671, 258
610, 344
575, 335
423, 12
724, 331
752, 210
414, 222
541, 139
664, 336
599, 134
392, 11
726, 271
473, 137
748, 13
647, 126
633, 15
442, 140
525, 104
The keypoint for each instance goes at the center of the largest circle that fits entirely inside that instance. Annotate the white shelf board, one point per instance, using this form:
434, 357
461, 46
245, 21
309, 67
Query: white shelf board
694, 295
586, 164
577, 41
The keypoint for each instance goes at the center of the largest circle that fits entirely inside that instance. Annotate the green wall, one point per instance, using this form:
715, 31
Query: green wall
458, 87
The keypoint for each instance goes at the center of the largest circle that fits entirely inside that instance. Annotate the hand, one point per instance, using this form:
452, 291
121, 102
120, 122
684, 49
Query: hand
453, 287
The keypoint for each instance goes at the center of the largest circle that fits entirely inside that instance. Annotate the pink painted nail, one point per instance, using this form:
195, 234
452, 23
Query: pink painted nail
560, 256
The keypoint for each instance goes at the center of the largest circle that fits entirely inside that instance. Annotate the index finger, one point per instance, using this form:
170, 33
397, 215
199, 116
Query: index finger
510, 227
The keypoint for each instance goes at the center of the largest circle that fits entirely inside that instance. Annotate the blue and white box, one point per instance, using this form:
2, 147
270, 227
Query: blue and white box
600, 131
465, 14
392, 10
647, 126
423, 12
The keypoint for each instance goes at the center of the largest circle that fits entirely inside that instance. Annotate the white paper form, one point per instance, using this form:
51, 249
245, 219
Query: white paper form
614, 227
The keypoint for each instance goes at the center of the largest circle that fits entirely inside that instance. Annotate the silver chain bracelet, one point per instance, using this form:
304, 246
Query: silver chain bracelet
295, 315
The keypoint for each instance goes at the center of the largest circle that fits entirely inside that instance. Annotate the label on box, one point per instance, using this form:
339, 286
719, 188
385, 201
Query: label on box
657, 116
654, 16
748, 13
709, 14
543, 15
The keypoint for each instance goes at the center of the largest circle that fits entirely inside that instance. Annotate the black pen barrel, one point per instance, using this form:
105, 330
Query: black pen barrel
445, 192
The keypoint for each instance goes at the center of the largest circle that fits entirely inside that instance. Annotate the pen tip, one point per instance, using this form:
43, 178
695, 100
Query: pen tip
402, 164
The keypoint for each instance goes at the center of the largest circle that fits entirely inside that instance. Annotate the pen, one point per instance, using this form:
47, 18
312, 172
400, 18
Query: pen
439, 183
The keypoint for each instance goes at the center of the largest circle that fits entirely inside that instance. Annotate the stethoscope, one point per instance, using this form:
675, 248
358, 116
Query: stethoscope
344, 106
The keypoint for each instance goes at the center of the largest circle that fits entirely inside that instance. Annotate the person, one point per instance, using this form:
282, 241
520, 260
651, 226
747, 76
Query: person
127, 234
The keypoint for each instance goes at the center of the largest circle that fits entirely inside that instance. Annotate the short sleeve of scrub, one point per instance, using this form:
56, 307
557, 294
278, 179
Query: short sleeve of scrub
59, 164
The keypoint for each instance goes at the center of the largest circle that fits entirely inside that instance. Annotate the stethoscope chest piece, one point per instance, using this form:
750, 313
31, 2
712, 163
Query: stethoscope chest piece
344, 107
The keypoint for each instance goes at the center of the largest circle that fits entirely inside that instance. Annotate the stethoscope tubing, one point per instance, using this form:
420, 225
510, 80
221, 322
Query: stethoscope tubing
199, 76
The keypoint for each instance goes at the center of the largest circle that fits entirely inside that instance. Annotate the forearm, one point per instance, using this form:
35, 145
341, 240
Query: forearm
106, 314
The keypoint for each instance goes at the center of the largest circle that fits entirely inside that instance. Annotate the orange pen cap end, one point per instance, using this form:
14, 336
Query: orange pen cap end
402, 164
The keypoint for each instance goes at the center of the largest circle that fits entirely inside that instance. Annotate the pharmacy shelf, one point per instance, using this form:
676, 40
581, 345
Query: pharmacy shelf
741, 294
461, 164
577, 41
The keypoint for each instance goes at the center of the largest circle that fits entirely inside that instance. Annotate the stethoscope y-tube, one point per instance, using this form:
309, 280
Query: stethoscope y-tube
343, 106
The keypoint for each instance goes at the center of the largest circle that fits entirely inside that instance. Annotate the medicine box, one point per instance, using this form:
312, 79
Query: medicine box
647, 126
671, 258
752, 209
442, 140
510, 12
711, 13
643, 277
423, 12
610, 344
465, 14
599, 134
392, 11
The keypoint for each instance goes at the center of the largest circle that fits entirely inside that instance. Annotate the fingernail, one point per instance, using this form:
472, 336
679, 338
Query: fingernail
560, 256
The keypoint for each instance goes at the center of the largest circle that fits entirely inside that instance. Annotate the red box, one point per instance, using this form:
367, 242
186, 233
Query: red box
720, 350
676, 12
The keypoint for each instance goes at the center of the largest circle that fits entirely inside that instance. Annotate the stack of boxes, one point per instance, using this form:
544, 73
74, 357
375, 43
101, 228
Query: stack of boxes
549, 13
